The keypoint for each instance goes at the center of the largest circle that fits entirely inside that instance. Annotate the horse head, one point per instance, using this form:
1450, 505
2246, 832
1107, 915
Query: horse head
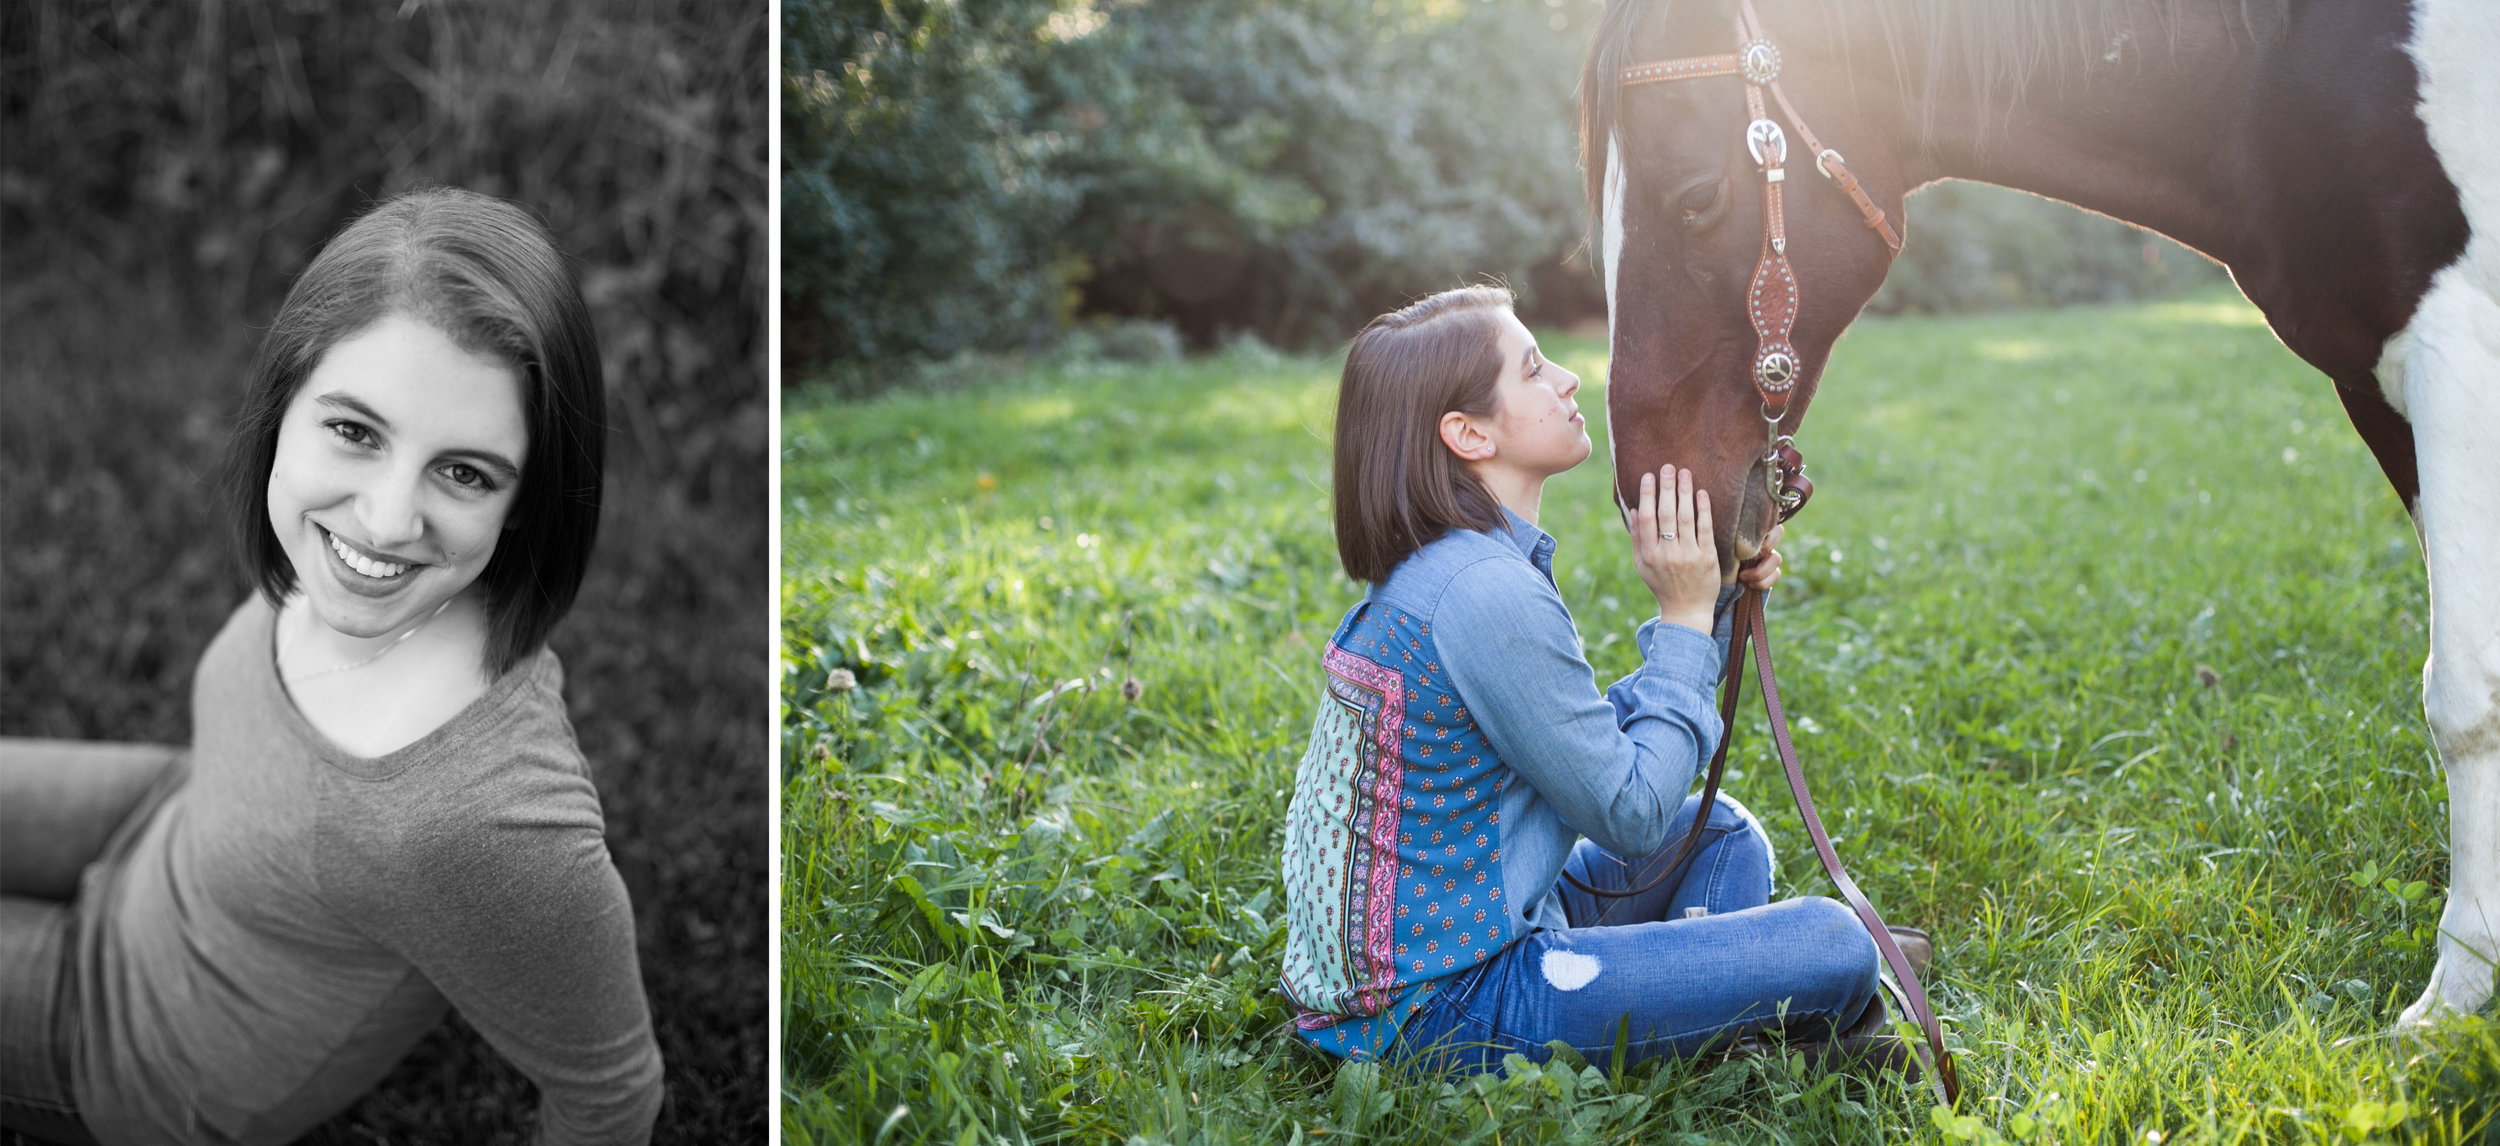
1680, 164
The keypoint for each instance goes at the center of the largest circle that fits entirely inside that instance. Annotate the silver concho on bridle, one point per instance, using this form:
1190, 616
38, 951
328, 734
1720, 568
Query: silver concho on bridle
1775, 370
1761, 61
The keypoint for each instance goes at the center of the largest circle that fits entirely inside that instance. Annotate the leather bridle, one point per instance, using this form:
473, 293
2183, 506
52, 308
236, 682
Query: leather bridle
1771, 303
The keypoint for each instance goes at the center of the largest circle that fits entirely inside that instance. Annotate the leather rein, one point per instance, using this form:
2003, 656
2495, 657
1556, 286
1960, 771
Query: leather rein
1771, 304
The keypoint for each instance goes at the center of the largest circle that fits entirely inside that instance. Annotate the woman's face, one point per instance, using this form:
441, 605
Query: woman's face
398, 460
1536, 426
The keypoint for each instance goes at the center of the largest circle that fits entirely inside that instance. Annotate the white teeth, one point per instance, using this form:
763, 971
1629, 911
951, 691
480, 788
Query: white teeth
362, 564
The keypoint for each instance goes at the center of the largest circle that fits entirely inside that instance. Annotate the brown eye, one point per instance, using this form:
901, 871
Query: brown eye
1697, 201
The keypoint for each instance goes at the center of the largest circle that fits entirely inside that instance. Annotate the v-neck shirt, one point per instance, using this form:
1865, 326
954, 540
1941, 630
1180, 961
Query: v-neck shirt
256, 953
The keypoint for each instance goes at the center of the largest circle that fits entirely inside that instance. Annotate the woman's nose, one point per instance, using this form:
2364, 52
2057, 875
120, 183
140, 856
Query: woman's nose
1571, 382
389, 511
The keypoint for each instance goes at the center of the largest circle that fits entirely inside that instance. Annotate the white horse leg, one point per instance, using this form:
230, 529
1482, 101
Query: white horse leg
2450, 392
2452, 395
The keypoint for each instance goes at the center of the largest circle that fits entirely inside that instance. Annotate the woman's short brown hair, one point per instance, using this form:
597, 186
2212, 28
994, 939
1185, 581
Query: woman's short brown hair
1398, 488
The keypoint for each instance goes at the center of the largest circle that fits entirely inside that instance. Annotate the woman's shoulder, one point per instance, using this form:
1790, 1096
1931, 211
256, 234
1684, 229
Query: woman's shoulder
250, 626
505, 795
515, 735
506, 829
1465, 563
510, 758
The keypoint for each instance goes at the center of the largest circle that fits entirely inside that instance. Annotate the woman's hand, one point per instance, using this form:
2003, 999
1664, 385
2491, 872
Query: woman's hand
1674, 550
1764, 570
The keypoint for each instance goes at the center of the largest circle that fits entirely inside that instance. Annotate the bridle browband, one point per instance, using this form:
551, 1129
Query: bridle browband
1771, 303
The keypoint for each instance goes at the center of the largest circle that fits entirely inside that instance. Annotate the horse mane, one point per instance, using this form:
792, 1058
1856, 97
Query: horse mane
1991, 49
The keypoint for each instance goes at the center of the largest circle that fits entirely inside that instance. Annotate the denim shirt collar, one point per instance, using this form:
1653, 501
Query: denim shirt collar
1455, 548
1534, 544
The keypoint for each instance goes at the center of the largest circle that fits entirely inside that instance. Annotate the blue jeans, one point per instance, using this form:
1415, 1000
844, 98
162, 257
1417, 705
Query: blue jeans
61, 805
1805, 966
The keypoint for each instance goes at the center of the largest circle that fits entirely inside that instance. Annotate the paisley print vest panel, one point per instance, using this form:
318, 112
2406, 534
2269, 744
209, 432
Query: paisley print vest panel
1393, 841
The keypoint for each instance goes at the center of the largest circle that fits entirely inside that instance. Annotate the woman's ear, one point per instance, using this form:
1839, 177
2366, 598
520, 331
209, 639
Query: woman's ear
1466, 437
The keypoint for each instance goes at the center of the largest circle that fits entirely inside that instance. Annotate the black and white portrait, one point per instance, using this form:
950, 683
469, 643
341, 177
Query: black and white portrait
383, 583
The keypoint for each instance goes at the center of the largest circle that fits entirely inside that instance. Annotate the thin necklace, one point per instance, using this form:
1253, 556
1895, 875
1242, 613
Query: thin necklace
386, 649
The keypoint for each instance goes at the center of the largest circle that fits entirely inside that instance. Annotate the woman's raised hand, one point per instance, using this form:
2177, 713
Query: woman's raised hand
1674, 549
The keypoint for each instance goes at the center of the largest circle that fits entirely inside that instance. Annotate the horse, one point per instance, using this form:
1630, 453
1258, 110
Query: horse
2341, 159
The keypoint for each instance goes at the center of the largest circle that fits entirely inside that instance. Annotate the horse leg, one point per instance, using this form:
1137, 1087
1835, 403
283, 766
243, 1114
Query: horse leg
2452, 399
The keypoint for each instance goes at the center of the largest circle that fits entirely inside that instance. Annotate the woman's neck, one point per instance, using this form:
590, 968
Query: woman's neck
371, 703
451, 633
1518, 492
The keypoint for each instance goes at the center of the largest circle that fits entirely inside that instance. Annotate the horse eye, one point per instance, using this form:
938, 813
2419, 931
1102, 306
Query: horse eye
1699, 200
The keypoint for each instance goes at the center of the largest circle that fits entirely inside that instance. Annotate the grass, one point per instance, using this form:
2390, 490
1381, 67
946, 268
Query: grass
2102, 637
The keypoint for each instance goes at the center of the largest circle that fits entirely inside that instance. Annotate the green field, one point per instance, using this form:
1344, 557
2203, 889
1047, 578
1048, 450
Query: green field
2102, 637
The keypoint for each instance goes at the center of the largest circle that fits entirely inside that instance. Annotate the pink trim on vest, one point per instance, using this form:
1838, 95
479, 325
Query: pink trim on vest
1380, 928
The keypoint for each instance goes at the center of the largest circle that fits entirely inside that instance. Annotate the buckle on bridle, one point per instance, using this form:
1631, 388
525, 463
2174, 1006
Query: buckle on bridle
1766, 143
1783, 468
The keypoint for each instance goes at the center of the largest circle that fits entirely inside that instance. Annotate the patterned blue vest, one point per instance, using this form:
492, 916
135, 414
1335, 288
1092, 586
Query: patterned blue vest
1393, 842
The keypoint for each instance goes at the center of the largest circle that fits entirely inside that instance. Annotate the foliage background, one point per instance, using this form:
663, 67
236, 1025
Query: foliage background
988, 174
167, 170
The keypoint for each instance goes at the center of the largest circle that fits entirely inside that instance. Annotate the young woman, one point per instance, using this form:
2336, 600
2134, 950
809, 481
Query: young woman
1463, 760
382, 812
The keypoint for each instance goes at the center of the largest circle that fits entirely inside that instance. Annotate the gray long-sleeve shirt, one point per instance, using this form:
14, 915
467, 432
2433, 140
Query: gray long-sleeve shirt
257, 953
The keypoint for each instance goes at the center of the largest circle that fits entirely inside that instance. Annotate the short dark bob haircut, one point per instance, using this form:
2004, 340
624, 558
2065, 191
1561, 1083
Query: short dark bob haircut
1398, 487
488, 276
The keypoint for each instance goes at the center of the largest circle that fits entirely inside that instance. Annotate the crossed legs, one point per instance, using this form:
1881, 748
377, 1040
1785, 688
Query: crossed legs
60, 802
1668, 979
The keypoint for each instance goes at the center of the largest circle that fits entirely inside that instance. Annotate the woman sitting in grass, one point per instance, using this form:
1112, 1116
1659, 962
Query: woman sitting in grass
382, 812
1463, 760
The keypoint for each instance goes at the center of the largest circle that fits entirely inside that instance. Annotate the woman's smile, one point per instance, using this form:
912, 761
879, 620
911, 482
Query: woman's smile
366, 565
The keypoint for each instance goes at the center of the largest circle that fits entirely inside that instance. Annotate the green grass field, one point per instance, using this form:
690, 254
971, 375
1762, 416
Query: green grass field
2102, 639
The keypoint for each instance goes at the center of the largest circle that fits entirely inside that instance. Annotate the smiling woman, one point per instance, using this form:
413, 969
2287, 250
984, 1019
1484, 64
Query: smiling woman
392, 480
383, 812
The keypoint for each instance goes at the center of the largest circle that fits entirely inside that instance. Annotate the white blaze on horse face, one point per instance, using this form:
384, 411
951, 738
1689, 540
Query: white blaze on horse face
2443, 373
1610, 214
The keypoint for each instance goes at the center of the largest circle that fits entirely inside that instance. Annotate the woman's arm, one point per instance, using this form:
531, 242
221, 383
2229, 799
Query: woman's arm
1614, 767
1615, 772
511, 907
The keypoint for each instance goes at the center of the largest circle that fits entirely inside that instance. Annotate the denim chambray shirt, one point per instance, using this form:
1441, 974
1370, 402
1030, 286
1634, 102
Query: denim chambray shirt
1413, 848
